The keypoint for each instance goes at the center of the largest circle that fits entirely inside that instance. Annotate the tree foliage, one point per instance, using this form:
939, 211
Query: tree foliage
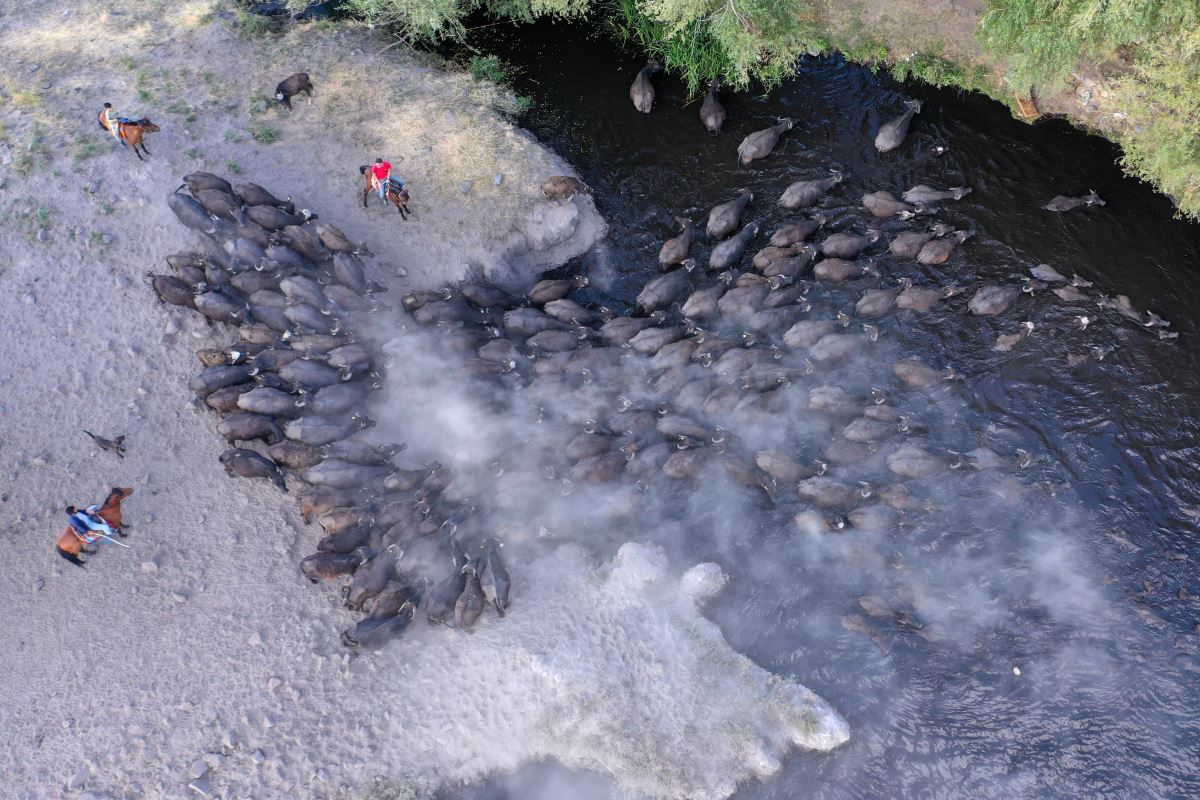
737, 40
1162, 98
438, 20
1043, 40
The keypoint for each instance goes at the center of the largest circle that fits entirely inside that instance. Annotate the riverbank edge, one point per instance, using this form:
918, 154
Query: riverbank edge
937, 43
917, 42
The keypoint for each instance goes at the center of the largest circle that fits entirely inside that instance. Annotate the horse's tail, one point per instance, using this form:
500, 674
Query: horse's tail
74, 559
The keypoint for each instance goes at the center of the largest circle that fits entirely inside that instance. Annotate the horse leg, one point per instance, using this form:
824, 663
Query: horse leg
74, 559
69, 555
404, 212
366, 193
144, 148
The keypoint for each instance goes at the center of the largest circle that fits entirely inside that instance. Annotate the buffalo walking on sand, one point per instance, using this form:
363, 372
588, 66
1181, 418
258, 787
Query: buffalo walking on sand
291, 86
563, 187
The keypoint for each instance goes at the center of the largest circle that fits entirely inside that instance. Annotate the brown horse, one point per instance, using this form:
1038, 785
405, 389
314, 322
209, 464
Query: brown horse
71, 544
393, 194
130, 133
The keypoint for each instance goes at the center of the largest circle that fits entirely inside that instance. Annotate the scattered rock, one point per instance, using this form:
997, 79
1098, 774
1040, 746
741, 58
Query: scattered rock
179, 597
198, 769
78, 780
273, 683
39, 584
123, 282
257, 757
43, 235
202, 787
149, 567
498, 179
465, 186
106, 238
28, 298
92, 187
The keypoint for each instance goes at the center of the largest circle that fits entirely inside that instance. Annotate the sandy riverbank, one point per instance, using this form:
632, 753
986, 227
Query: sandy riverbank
119, 676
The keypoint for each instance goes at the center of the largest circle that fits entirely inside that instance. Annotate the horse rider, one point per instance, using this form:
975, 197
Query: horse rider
113, 121
381, 173
85, 521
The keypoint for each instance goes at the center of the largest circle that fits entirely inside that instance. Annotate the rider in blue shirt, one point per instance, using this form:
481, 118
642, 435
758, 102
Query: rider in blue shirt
86, 521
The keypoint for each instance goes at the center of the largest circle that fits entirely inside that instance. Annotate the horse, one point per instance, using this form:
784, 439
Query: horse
394, 194
130, 133
70, 544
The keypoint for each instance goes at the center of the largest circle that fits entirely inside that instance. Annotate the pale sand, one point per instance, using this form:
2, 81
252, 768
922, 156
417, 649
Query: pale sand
204, 642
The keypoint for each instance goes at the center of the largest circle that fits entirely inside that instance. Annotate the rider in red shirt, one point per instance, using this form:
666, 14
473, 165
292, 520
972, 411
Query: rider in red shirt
381, 171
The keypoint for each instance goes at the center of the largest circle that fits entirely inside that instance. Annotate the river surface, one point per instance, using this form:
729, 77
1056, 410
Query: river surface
1082, 582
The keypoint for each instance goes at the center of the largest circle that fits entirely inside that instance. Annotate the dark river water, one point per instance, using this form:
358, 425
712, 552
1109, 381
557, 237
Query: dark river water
1076, 569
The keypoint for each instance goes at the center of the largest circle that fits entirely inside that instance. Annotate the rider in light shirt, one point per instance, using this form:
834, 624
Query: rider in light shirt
111, 120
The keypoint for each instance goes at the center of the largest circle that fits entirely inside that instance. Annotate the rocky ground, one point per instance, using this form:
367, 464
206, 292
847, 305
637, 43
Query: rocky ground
200, 653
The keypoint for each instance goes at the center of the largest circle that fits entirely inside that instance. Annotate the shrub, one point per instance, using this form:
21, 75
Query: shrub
938, 71
264, 134
1044, 40
488, 68
1162, 101
752, 40
252, 25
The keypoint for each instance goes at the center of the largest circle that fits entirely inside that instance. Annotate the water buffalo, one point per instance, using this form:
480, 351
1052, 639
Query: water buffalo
291, 86
563, 187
